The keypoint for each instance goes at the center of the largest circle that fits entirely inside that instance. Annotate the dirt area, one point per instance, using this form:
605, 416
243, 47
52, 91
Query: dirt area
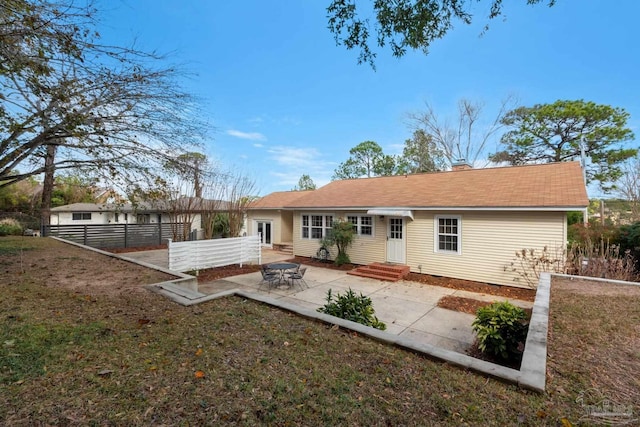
62, 265
140, 249
591, 287
68, 266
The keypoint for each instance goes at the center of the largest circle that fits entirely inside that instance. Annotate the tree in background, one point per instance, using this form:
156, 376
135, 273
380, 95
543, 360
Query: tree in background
555, 132
366, 159
305, 183
239, 194
421, 154
628, 187
401, 24
68, 102
73, 188
193, 167
20, 197
466, 136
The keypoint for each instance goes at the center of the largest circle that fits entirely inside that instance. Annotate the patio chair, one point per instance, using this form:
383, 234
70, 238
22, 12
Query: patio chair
293, 271
298, 277
269, 277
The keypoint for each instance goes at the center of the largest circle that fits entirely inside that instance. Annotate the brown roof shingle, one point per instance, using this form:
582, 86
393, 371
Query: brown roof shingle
553, 185
278, 199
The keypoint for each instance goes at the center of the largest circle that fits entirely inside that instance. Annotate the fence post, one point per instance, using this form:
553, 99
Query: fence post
160, 231
85, 236
242, 250
169, 240
126, 232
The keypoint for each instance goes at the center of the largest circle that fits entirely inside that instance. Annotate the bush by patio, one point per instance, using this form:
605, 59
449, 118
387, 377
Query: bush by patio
357, 308
501, 329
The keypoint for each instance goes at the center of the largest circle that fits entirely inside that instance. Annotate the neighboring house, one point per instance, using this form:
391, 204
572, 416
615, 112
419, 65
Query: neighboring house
270, 217
100, 213
466, 223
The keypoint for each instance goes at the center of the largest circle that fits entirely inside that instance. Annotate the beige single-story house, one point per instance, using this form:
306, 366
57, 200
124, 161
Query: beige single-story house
269, 217
465, 223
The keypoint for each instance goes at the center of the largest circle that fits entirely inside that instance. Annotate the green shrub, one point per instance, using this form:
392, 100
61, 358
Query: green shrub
341, 235
357, 308
501, 329
10, 228
342, 258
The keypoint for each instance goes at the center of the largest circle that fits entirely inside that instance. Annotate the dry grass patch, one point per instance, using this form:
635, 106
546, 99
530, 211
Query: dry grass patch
72, 357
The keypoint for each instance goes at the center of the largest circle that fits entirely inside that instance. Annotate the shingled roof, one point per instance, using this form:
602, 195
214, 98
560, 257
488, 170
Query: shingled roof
278, 199
553, 185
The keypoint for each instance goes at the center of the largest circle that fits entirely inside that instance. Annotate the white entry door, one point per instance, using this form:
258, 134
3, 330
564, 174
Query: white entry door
395, 241
264, 228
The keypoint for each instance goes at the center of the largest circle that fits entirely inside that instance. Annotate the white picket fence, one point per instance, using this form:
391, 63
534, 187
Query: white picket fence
200, 254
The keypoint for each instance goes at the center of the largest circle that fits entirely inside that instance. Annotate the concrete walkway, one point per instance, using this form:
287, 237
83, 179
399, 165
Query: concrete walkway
409, 309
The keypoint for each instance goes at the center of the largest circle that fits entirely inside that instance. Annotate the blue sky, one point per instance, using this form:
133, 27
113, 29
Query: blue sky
283, 100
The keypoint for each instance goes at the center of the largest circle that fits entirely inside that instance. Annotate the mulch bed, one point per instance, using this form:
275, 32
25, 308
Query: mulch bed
466, 305
471, 286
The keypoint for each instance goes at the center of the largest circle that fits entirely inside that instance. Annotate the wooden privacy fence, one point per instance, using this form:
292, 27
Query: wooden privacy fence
109, 236
201, 254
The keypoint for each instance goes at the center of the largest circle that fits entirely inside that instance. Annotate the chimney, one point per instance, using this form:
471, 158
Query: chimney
460, 165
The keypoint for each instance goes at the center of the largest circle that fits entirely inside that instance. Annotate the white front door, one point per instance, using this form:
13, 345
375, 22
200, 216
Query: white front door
395, 240
264, 228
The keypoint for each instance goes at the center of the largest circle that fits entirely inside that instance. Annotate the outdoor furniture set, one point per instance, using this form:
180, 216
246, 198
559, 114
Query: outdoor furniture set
276, 274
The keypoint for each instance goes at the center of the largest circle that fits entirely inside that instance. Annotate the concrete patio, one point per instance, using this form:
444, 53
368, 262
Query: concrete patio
409, 309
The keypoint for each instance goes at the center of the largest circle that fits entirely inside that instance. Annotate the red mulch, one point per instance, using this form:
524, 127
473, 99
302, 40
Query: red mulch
466, 305
471, 286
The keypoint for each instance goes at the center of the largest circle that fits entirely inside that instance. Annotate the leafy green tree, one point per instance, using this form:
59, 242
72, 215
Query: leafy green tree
401, 24
421, 154
73, 188
20, 197
305, 183
367, 159
555, 132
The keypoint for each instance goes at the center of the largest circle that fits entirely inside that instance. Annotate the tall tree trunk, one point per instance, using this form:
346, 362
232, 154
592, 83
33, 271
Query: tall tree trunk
47, 185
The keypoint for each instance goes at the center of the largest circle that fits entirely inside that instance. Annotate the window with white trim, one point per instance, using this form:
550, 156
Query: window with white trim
362, 224
80, 216
448, 234
316, 226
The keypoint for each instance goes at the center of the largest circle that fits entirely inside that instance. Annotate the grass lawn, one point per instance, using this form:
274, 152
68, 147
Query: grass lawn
71, 356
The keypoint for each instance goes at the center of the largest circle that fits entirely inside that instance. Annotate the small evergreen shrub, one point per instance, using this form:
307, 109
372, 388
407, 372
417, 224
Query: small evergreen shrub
357, 308
501, 329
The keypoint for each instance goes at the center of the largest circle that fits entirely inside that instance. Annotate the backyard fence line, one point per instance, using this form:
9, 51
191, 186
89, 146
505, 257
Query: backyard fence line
202, 254
108, 236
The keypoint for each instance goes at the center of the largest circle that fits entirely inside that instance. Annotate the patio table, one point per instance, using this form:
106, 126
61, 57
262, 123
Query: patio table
282, 268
